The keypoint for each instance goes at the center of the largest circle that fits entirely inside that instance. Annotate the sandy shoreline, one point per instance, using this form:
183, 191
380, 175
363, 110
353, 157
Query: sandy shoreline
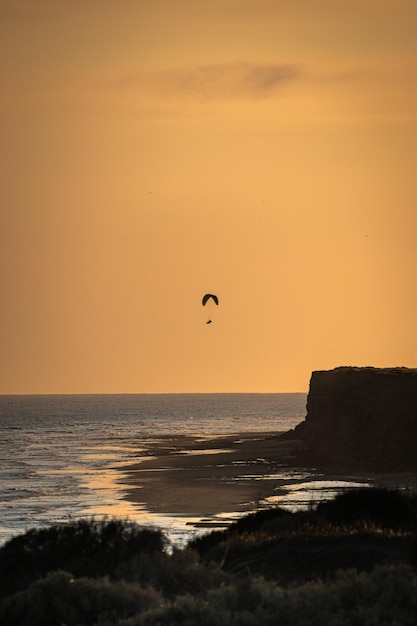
207, 479
204, 477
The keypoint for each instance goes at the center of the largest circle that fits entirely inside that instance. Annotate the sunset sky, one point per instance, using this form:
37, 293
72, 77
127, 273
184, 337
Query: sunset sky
155, 150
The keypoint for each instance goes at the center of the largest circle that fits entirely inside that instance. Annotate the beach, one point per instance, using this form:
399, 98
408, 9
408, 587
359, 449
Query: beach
172, 462
61, 455
211, 481
186, 475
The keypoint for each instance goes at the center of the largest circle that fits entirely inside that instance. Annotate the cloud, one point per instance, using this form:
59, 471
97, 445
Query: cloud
222, 81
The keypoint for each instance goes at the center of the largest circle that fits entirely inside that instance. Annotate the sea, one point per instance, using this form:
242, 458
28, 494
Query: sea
63, 457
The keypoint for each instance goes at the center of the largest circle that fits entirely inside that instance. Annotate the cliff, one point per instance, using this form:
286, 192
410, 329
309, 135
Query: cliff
361, 417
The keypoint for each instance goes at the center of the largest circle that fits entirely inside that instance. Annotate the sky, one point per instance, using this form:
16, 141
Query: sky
155, 150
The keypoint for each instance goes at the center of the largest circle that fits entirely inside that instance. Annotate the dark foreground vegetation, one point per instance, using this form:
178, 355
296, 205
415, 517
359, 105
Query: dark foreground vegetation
352, 561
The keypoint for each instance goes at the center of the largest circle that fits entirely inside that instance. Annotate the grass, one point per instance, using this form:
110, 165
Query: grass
347, 562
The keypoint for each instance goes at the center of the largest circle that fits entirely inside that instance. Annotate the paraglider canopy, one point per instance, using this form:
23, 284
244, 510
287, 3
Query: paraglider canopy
212, 300
207, 297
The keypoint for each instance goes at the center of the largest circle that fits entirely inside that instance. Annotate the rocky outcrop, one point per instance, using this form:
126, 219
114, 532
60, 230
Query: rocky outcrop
361, 417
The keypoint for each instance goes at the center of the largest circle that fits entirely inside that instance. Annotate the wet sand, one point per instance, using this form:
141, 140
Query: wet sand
207, 477
204, 478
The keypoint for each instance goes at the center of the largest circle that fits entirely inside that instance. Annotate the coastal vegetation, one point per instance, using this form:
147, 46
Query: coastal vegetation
349, 561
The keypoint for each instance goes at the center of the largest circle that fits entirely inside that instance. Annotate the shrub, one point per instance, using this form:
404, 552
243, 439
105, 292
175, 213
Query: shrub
385, 597
179, 574
60, 599
260, 521
213, 546
84, 548
384, 507
360, 529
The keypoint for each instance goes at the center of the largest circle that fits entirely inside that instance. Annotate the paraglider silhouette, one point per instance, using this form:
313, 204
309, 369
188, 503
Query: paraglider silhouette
206, 298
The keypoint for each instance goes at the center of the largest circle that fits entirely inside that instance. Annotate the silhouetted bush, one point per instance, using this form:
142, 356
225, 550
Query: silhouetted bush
384, 507
257, 523
84, 548
260, 521
345, 533
346, 563
60, 599
385, 597
178, 574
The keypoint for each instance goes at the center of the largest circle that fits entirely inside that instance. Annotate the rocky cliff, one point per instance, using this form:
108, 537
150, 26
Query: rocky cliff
361, 417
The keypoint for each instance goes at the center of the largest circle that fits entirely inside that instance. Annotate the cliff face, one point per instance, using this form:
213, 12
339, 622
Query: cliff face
362, 417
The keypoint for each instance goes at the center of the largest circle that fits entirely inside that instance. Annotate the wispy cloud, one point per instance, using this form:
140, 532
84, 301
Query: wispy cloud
219, 81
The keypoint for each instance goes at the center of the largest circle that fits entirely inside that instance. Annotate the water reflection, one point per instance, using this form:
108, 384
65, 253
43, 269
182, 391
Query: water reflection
294, 490
304, 495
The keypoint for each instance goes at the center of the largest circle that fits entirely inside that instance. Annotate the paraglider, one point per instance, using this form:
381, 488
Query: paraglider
206, 298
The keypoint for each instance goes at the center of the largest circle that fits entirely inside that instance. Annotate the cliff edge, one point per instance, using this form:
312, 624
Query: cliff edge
361, 417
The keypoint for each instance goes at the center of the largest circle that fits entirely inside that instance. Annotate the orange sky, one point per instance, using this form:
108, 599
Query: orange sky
153, 150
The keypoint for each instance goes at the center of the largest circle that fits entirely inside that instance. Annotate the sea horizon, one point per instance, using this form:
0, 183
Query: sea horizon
152, 393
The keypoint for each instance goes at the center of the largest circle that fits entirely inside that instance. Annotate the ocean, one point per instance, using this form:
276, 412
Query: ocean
59, 454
